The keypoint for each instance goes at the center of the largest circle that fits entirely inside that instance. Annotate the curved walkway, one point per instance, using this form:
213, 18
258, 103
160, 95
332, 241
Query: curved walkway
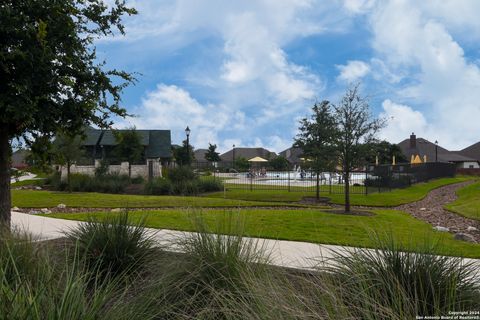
431, 210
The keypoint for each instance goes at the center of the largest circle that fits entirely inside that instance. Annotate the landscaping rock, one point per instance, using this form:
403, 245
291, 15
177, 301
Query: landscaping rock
464, 237
116, 210
15, 209
470, 228
38, 188
441, 229
61, 206
34, 212
423, 209
45, 210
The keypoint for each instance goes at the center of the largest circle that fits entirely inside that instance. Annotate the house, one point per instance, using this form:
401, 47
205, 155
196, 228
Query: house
420, 150
199, 155
472, 151
247, 153
99, 143
293, 155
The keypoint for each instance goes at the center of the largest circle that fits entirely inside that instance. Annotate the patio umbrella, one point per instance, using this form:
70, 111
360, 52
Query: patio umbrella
258, 159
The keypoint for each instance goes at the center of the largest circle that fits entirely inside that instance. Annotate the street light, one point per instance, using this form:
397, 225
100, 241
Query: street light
436, 150
187, 132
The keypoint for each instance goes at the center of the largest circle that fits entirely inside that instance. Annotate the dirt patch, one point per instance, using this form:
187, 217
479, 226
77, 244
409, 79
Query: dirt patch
314, 200
351, 213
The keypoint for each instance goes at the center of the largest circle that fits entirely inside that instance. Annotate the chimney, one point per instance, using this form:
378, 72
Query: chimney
413, 141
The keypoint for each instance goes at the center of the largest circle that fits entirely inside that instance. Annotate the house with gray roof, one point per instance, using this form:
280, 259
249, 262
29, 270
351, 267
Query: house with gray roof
247, 153
472, 151
100, 143
293, 155
419, 149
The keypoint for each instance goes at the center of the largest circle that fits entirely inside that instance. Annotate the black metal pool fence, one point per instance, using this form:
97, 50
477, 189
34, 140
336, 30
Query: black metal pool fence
373, 178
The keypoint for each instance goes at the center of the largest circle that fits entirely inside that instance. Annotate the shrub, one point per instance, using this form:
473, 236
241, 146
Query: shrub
394, 282
213, 275
137, 180
102, 170
181, 174
113, 245
110, 183
34, 285
158, 186
210, 185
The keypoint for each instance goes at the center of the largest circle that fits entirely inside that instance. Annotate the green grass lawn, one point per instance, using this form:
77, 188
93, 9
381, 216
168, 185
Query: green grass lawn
45, 199
308, 225
384, 199
31, 182
468, 201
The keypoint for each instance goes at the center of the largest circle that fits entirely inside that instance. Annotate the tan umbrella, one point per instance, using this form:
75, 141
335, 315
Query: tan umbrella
258, 159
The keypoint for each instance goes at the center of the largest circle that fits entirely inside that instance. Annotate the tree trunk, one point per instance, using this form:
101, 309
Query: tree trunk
5, 197
347, 191
318, 186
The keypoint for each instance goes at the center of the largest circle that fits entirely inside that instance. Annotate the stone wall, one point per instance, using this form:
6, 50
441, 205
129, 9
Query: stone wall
136, 170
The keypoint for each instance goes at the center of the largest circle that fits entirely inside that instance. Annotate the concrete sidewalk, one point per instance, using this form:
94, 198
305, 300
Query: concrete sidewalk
291, 254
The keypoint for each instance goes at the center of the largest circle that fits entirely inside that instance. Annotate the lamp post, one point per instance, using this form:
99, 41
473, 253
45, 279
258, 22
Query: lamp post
233, 157
187, 132
436, 150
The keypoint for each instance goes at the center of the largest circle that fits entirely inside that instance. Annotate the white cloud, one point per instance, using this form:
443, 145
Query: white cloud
358, 6
402, 120
440, 79
171, 107
353, 70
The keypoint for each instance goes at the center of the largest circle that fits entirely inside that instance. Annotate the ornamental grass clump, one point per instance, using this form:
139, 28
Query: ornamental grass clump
113, 245
37, 282
400, 282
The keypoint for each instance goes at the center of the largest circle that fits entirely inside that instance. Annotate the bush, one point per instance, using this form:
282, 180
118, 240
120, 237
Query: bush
181, 174
394, 282
212, 276
110, 183
113, 245
137, 180
35, 286
210, 185
102, 170
159, 186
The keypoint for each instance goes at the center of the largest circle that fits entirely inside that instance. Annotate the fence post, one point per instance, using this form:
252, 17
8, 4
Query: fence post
289, 181
251, 183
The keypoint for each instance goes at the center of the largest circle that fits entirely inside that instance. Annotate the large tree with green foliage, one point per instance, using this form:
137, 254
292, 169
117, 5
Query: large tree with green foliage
278, 163
316, 138
184, 155
51, 78
129, 147
356, 126
66, 150
212, 155
385, 151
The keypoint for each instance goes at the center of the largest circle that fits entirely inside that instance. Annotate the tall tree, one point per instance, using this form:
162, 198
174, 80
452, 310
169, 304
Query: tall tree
51, 78
212, 155
356, 125
316, 138
279, 163
385, 151
66, 150
184, 155
129, 147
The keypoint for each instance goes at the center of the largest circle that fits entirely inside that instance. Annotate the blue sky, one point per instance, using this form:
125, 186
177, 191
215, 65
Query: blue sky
245, 72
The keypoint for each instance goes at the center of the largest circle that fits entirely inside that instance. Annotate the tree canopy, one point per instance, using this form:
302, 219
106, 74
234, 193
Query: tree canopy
212, 155
129, 147
317, 139
51, 78
356, 126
